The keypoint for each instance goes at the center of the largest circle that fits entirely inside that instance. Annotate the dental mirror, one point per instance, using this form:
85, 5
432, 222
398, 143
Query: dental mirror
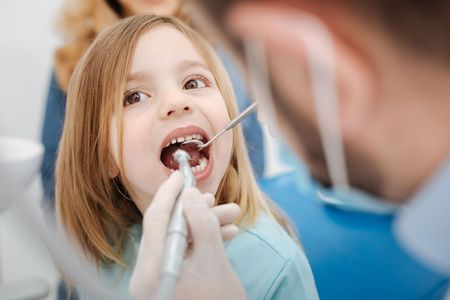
233, 123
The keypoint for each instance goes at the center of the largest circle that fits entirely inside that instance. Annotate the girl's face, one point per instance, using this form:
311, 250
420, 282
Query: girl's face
171, 95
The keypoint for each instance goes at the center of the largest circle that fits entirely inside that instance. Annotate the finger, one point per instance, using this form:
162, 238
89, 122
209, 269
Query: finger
194, 193
162, 203
210, 199
203, 224
229, 231
227, 213
157, 216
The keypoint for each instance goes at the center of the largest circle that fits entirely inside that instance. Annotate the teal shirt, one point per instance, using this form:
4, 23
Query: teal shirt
268, 262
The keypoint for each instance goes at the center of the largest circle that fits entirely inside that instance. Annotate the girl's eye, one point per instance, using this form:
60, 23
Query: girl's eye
194, 84
134, 97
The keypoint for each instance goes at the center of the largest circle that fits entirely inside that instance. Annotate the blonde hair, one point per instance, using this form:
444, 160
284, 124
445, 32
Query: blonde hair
92, 208
79, 22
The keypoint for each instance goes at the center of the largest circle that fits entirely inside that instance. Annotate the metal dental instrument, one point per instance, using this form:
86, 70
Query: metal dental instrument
176, 238
242, 116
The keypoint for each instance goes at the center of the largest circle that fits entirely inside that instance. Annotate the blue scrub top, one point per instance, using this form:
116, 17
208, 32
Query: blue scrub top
352, 255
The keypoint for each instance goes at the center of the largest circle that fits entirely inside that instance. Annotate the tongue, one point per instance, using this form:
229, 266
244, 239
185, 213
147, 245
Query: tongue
167, 155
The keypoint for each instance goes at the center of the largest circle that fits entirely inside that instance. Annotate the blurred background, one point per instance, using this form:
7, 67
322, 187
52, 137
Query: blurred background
27, 41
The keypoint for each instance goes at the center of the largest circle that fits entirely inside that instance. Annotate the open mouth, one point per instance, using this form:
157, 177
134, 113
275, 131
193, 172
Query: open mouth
199, 158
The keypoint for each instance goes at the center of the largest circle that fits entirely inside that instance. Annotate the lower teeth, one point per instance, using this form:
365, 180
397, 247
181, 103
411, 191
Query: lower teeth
202, 164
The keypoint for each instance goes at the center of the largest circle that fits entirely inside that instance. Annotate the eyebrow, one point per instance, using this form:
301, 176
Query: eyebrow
193, 63
185, 64
137, 76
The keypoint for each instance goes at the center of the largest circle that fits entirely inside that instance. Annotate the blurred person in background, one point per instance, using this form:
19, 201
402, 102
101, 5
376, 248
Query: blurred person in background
392, 69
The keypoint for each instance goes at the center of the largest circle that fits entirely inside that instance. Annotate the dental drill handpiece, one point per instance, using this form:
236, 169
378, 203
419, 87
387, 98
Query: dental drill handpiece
177, 235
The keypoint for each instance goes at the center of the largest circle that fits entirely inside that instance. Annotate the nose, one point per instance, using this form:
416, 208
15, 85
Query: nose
175, 105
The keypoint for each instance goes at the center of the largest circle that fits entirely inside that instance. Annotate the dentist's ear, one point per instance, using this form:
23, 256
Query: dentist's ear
357, 84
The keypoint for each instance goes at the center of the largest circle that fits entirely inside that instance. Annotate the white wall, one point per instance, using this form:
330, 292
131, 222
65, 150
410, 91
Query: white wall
27, 41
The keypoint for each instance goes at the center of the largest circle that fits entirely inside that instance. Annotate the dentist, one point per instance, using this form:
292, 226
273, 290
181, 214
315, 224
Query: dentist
361, 91
362, 95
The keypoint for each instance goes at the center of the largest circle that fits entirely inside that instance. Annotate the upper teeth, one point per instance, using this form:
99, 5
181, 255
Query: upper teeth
181, 139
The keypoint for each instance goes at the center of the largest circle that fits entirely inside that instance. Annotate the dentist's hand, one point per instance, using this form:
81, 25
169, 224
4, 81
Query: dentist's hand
207, 273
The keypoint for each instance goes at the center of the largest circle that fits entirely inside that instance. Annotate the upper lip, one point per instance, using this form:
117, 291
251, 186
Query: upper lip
183, 131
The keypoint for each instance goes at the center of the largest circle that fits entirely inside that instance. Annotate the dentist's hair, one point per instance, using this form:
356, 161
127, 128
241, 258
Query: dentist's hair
419, 26
96, 209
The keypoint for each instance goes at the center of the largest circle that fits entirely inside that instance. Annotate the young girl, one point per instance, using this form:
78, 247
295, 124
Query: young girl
144, 86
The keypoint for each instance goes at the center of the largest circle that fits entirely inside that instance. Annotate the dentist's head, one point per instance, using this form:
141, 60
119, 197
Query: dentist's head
392, 70
361, 90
